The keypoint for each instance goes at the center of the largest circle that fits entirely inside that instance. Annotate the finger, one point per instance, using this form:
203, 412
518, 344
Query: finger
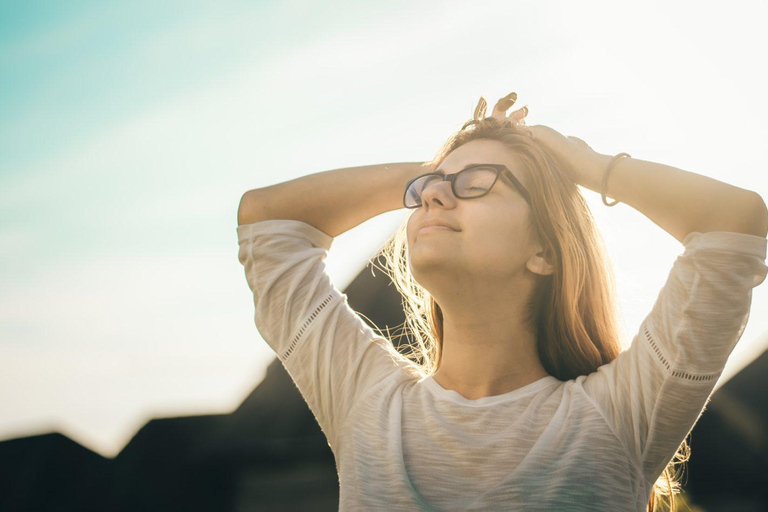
479, 114
504, 104
519, 113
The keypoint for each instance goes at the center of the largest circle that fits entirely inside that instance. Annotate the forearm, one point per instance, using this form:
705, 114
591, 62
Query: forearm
332, 201
681, 202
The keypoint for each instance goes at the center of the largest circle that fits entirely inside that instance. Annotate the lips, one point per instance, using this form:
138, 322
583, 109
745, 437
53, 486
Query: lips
436, 222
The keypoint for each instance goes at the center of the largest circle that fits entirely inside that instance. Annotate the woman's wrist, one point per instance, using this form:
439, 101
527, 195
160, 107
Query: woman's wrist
592, 174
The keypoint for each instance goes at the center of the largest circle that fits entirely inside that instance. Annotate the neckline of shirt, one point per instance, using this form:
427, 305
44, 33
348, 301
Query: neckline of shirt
455, 396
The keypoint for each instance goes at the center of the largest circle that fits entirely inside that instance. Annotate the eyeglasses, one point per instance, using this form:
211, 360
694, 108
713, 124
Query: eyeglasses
470, 183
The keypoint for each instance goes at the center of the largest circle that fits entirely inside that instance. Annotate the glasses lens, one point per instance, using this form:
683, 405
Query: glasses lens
475, 182
470, 183
413, 194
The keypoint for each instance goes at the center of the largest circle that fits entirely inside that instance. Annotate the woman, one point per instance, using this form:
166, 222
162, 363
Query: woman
516, 395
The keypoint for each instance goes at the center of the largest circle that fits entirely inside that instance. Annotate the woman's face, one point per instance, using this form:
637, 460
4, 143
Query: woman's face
491, 243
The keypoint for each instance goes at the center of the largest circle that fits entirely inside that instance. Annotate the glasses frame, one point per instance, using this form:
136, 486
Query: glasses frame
501, 170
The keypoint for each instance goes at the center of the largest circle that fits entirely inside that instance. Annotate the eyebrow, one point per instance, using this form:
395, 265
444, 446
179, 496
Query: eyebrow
503, 176
440, 171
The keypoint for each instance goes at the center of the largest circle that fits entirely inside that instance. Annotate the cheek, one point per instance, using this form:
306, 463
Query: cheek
498, 246
409, 235
409, 226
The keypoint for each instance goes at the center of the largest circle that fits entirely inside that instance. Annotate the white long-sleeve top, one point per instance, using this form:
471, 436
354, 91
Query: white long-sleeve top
402, 442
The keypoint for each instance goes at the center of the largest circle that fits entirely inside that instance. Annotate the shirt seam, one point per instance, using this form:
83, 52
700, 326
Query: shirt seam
686, 378
637, 464
309, 322
305, 325
672, 369
300, 334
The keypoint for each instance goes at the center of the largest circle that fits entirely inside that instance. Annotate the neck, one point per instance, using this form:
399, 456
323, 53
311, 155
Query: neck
481, 359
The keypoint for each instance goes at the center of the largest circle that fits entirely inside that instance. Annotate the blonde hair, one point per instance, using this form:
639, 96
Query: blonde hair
574, 309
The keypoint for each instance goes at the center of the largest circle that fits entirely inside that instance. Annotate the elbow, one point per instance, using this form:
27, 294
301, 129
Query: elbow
753, 216
760, 216
745, 213
249, 209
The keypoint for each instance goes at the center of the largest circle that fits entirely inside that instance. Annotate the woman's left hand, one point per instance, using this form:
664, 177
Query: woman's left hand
580, 161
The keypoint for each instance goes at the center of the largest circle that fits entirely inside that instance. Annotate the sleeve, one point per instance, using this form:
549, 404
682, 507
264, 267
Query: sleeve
331, 354
654, 392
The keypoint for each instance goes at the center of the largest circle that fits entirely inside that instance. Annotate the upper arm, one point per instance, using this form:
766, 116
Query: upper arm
258, 205
653, 393
331, 354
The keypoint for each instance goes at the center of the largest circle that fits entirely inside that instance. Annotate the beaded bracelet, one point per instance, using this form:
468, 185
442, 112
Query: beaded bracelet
605, 177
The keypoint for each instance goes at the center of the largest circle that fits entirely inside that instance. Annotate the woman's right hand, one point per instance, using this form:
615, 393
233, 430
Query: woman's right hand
500, 110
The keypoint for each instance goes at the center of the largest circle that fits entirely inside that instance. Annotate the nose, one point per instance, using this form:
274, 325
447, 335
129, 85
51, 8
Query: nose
438, 192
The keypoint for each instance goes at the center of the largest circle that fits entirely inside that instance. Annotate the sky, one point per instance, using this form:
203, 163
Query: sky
129, 131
